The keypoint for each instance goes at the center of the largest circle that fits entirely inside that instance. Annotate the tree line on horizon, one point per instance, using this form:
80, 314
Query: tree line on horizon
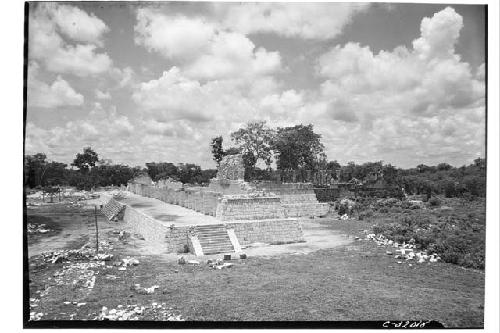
290, 148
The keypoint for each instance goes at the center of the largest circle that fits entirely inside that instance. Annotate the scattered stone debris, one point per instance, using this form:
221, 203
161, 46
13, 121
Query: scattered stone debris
123, 235
404, 250
154, 311
80, 274
143, 291
86, 252
219, 264
38, 228
36, 316
130, 262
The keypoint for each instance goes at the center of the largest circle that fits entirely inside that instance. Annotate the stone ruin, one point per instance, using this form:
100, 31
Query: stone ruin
268, 212
229, 197
230, 177
231, 168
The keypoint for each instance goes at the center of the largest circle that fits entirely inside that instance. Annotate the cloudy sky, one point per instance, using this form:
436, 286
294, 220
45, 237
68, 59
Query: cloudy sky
402, 83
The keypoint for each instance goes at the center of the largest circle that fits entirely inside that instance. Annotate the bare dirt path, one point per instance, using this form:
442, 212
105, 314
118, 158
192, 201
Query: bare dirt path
72, 222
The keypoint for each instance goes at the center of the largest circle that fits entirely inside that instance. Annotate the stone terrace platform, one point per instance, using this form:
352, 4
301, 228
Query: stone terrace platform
166, 213
179, 229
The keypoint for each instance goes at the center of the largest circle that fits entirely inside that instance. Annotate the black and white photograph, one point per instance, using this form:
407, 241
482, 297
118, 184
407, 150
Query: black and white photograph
257, 165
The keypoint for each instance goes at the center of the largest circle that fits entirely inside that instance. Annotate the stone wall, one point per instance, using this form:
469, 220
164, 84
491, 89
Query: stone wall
327, 194
175, 239
196, 198
268, 231
151, 229
318, 209
298, 199
249, 208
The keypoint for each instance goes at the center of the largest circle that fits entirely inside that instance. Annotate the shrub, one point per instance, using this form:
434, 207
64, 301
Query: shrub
457, 240
434, 202
366, 214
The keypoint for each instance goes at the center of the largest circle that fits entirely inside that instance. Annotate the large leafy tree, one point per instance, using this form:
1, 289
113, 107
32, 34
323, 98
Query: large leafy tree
86, 160
297, 147
254, 142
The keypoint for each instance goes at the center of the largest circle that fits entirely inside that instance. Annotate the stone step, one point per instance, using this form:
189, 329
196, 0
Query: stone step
214, 245
211, 245
210, 228
218, 234
214, 241
213, 234
215, 251
221, 236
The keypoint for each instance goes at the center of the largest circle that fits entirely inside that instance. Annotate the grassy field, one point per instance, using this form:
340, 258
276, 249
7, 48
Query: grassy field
354, 282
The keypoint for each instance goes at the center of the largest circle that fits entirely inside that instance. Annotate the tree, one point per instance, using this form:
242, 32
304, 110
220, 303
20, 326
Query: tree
162, 170
444, 167
333, 166
255, 140
55, 174
297, 147
232, 151
84, 162
391, 175
217, 150
189, 173
35, 167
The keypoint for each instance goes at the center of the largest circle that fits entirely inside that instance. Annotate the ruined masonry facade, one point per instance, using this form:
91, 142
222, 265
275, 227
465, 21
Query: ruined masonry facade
265, 212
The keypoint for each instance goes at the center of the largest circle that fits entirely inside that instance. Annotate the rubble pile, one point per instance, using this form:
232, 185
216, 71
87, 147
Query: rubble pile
86, 252
404, 251
219, 264
125, 262
38, 228
135, 312
144, 291
36, 316
80, 274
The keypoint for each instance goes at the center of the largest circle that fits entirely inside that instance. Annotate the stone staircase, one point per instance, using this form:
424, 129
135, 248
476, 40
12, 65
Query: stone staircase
214, 239
113, 210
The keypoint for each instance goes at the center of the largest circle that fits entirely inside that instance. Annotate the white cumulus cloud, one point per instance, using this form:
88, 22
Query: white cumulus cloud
58, 93
423, 100
48, 22
201, 48
305, 20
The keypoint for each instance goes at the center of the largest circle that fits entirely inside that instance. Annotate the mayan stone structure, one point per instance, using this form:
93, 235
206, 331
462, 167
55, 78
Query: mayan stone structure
231, 168
261, 212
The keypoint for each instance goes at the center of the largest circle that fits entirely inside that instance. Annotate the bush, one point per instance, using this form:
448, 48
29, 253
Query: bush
457, 240
366, 214
434, 202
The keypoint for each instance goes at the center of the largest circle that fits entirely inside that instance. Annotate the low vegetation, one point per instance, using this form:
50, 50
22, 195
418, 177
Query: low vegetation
452, 228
